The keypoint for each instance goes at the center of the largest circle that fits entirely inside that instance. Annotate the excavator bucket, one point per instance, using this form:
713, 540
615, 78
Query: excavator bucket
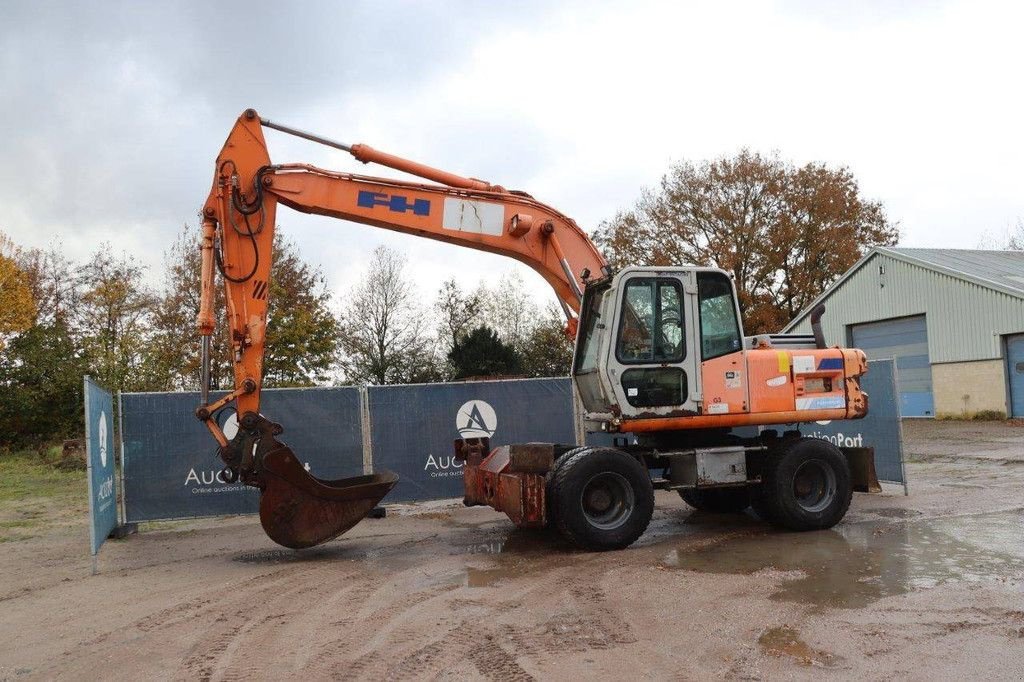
298, 510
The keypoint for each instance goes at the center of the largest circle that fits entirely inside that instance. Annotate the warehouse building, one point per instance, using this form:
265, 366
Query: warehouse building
952, 319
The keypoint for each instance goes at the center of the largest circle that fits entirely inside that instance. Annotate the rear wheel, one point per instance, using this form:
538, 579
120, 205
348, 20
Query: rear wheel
602, 498
717, 500
805, 486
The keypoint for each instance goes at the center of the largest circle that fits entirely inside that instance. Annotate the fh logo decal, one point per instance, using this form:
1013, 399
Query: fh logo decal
476, 419
395, 202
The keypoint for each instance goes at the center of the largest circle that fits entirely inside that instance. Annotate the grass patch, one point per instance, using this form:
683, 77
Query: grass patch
35, 495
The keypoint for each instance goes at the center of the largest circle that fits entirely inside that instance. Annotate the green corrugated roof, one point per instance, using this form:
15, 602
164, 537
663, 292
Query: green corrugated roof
1004, 268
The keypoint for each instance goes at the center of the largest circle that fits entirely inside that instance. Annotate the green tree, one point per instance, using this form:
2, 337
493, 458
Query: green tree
547, 351
114, 311
41, 386
481, 353
784, 232
302, 331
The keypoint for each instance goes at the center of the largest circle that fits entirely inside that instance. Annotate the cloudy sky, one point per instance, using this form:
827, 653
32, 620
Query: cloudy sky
111, 113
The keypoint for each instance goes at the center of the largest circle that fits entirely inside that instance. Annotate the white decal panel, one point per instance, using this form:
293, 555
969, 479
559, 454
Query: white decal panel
776, 381
718, 408
802, 364
478, 217
826, 402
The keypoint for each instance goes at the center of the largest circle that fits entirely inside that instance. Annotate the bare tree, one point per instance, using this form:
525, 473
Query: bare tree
456, 310
384, 340
510, 310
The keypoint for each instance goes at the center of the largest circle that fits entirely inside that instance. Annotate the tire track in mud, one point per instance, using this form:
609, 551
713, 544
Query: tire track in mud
254, 621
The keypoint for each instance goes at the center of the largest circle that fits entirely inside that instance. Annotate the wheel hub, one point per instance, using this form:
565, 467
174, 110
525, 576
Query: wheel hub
814, 485
607, 500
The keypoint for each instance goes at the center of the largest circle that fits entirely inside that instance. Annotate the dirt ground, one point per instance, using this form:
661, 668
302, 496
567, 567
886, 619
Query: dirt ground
924, 587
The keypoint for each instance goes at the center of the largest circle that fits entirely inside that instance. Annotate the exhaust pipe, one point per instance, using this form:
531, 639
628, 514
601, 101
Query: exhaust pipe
819, 336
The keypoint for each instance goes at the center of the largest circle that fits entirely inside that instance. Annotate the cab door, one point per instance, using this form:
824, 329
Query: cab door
652, 362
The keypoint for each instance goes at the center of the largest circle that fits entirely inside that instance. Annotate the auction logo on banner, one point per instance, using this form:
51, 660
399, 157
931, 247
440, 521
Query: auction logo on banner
476, 419
101, 429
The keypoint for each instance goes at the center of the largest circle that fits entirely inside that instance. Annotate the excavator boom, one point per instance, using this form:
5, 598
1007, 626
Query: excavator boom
239, 219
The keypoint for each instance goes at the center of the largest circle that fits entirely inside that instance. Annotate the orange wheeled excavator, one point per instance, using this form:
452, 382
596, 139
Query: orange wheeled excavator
660, 354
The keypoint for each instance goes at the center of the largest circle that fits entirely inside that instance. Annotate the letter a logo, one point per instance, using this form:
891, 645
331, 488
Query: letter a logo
476, 419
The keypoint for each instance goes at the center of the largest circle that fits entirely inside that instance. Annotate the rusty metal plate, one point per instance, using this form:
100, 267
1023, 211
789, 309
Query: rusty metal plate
536, 458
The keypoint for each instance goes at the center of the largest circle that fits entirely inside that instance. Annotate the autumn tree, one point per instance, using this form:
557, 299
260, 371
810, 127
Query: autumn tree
56, 284
384, 338
302, 331
784, 232
17, 305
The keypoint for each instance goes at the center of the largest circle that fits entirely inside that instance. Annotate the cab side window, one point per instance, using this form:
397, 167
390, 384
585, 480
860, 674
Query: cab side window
719, 328
651, 330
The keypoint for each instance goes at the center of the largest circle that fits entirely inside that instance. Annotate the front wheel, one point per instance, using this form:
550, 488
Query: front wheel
603, 499
805, 486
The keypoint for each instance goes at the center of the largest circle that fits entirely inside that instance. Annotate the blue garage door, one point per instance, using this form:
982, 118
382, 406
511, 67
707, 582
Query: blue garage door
904, 340
1015, 370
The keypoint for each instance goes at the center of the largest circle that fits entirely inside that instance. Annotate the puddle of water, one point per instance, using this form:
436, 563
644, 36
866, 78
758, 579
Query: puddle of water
488, 577
856, 564
896, 513
785, 641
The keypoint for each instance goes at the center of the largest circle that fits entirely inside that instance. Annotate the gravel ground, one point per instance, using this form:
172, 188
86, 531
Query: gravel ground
929, 586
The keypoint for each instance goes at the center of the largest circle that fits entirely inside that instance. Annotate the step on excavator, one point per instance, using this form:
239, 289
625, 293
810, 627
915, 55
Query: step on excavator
661, 367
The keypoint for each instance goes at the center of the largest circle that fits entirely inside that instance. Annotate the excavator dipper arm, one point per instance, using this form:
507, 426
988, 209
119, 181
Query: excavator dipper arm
239, 218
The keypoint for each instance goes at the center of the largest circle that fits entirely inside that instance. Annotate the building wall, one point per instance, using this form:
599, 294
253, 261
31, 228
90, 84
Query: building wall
964, 388
965, 321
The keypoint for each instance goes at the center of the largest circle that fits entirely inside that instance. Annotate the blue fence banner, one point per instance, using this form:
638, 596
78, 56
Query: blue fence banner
172, 471
171, 466
880, 429
413, 428
99, 457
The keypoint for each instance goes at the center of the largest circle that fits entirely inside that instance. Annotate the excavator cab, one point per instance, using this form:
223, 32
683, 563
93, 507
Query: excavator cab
644, 336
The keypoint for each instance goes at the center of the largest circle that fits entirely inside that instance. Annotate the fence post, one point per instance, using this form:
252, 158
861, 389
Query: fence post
365, 429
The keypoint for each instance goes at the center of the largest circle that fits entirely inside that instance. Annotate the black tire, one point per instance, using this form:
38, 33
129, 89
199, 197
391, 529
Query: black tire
717, 500
549, 491
603, 499
805, 486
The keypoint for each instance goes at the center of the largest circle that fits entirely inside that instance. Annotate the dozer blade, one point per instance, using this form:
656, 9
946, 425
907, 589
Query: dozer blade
298, 510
